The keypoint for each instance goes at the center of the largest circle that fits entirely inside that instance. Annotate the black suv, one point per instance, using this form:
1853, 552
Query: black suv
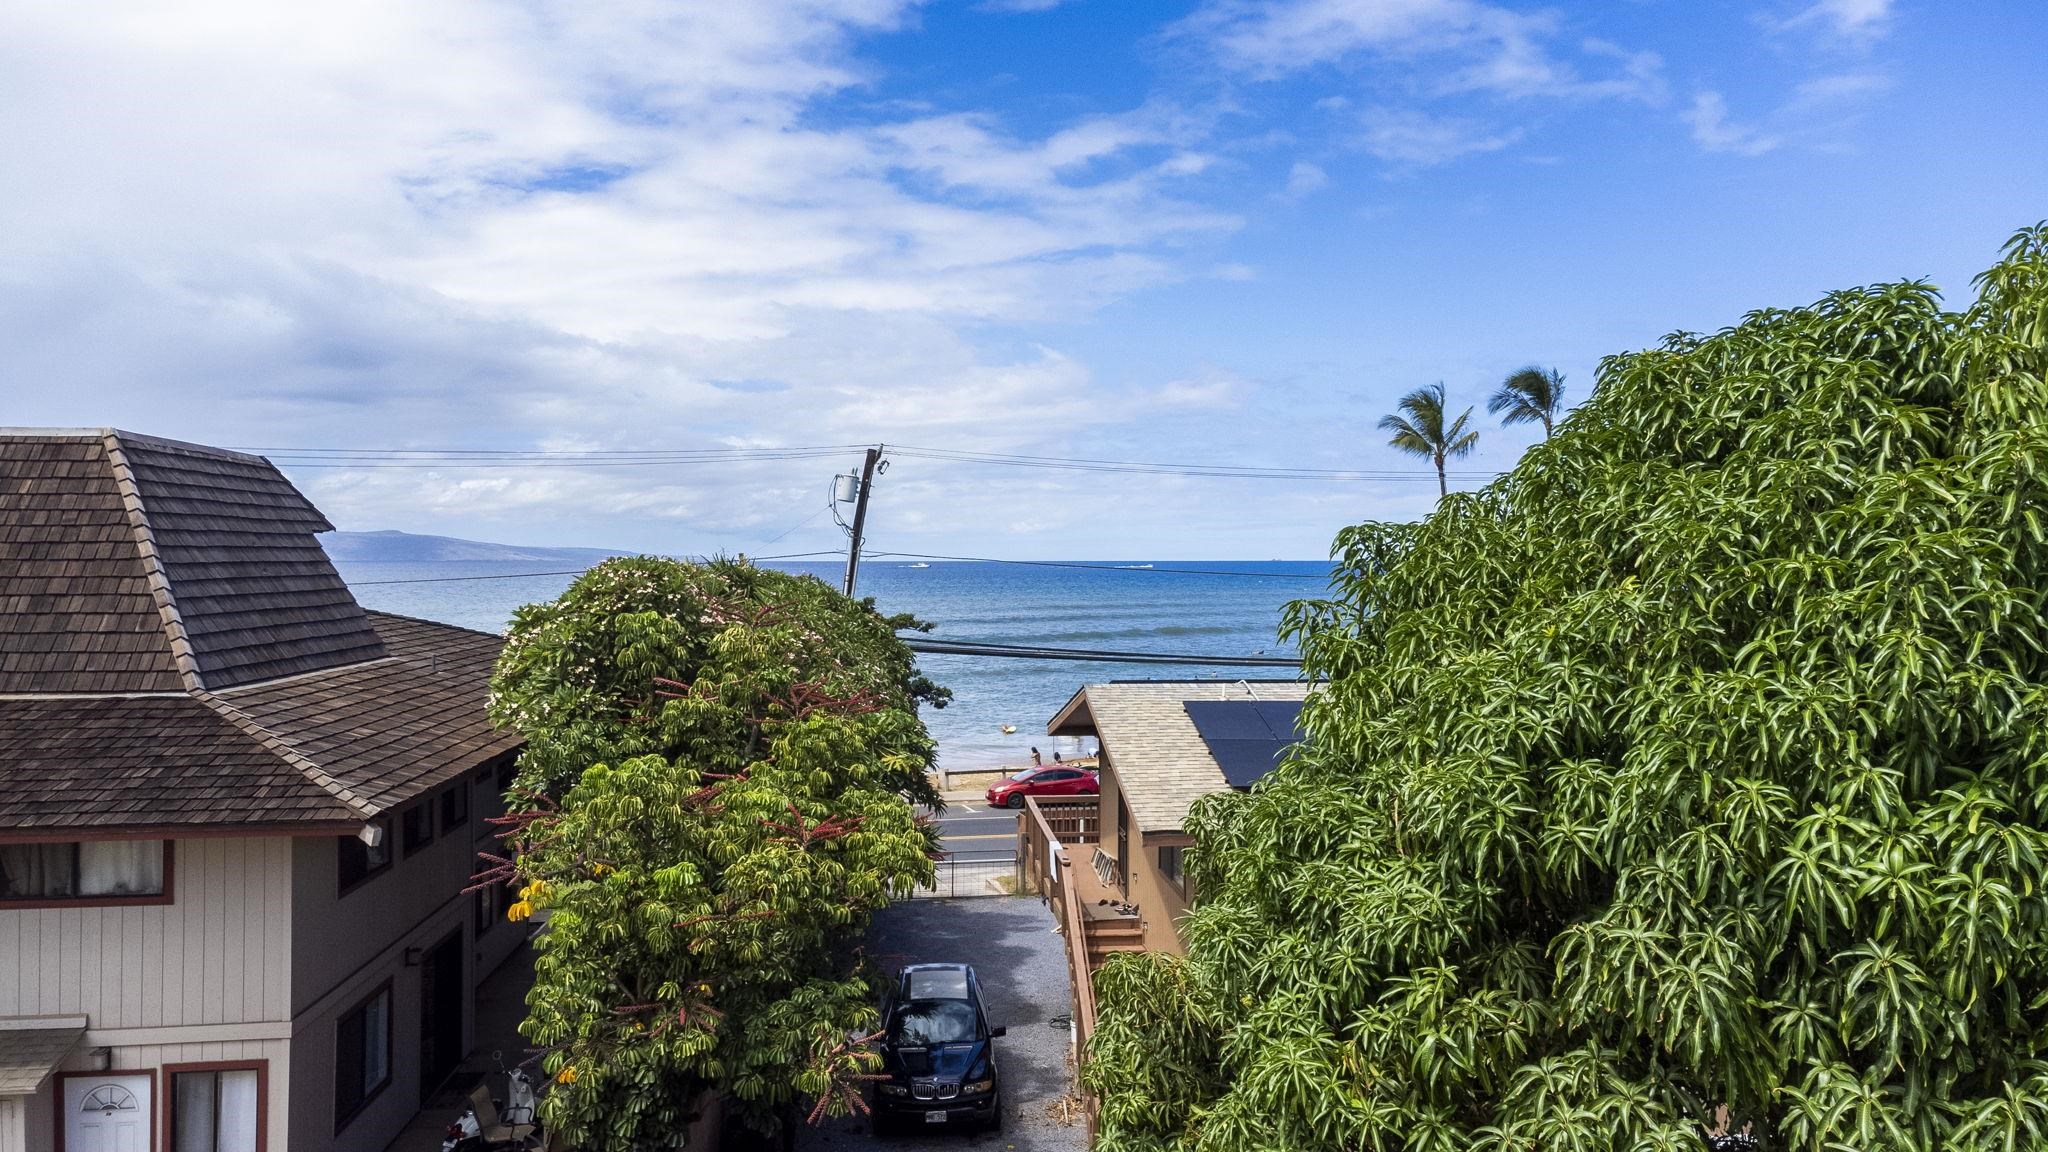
938, 1052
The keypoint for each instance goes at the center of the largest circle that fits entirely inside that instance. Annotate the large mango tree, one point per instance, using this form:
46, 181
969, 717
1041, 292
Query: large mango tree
1684, 788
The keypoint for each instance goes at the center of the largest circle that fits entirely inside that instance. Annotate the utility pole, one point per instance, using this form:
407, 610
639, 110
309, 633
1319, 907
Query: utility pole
860, 514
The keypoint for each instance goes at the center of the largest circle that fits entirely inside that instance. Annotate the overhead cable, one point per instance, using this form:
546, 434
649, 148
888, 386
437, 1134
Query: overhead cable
1094, 655
1141, 568
529, 575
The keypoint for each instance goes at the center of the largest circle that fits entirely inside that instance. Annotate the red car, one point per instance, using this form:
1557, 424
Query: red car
1050, 780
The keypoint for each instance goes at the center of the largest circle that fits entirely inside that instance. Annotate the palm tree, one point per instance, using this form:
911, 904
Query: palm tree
1421, 431
1529, 396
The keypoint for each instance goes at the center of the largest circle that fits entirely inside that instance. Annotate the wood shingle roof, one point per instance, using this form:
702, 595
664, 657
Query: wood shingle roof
176, 650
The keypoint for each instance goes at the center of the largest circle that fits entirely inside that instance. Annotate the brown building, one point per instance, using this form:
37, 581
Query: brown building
1164, 745
237, 815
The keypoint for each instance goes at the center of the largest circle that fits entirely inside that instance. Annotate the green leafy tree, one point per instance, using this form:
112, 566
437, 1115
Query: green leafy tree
1530, 396
716, 793
1690, 780
1419, 430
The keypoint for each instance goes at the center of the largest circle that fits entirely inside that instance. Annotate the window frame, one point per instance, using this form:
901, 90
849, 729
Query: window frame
1177, 876
58, 1115
344, 887
424, 813
492, 902
167, 896
383, 988
459, 792
171, 1073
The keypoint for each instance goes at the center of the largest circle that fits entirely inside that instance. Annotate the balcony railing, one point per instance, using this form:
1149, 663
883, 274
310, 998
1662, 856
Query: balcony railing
1044, 829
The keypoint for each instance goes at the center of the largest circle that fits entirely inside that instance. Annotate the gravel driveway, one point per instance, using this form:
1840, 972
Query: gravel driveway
1023, 969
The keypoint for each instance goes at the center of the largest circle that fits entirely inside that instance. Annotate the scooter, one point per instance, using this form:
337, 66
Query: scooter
466, 1133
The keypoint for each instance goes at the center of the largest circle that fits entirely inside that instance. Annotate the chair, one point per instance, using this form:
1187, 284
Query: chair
492, 1127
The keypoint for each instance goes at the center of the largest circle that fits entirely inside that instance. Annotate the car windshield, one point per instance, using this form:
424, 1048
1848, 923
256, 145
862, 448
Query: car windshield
927, 1022
1027, 774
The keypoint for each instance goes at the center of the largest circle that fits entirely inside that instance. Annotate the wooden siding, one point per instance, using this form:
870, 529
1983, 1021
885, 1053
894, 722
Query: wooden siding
219, 954
41, 1109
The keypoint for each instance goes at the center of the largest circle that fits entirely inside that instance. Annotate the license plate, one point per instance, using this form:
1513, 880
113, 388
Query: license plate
935, 1117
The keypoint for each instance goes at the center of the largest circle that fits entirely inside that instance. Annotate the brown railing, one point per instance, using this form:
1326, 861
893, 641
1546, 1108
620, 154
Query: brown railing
1049, 871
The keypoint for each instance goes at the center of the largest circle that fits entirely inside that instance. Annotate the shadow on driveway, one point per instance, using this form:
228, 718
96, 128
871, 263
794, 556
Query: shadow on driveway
1022, 964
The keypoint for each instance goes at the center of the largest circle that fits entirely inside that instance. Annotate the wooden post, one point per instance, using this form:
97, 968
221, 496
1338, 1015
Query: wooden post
860, 514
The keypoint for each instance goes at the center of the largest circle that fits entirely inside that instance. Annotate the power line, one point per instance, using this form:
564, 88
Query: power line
532, 575
447, 458
1094, 655
1227, 471
1140, 568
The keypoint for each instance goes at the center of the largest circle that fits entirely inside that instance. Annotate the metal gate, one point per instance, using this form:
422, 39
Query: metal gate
984, 874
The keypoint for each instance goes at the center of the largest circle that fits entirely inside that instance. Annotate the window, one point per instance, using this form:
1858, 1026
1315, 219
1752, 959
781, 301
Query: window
359, 861
493, 900
419, 826
114, 870
507, 773
216, 1110
455, 807
362, 1054
1170, 867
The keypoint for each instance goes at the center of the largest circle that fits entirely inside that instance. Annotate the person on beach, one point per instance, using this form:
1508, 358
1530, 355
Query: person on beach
1036, 759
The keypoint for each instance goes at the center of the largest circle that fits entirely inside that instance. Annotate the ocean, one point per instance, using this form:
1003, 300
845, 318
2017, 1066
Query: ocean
1127, 605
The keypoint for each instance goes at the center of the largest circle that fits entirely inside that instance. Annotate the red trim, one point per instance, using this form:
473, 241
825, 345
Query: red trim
169, 893
260, 1067
83, 832
57, 1102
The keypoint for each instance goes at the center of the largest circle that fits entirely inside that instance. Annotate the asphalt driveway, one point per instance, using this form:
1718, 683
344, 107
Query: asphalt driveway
1011, 943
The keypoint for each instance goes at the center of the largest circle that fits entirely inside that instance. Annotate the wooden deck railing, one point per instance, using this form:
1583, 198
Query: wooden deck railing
1044, 829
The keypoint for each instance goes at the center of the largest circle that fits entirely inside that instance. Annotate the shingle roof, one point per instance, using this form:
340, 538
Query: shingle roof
390, 729
1158, 758
74, 591
31, 1049
176, 649
145, 761
257, 595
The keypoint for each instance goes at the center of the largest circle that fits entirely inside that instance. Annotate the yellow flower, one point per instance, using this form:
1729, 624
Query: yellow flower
518, 911
567, 1075
602, 869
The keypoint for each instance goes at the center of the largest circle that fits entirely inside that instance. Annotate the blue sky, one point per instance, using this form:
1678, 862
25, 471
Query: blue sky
1218, 230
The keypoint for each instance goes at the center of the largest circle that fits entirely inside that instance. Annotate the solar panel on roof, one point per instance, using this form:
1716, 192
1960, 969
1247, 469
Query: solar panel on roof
1246, 737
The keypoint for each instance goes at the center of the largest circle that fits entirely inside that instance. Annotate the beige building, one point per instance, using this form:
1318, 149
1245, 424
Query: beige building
237, 815
1164, 745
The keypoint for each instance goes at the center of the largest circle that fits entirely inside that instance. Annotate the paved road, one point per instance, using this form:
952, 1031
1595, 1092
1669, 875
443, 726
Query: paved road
974, 831
1012, 945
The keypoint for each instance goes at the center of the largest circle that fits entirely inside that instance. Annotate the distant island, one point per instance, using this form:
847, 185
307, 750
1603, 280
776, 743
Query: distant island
406, 548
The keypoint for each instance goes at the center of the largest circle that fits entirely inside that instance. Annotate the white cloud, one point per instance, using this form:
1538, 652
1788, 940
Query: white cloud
458, 222
1019, 5
1304, 178
1812, 115
1855, 21
1489, 48
1407, 138
1713, 131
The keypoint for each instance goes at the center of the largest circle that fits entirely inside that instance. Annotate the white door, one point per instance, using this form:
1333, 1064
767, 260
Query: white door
107, 1112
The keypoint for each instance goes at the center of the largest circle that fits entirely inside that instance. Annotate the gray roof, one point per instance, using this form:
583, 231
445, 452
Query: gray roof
177, 650
1160, 761
32, 1047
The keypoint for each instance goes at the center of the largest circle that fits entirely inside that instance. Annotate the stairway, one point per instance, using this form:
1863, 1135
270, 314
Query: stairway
1106, 937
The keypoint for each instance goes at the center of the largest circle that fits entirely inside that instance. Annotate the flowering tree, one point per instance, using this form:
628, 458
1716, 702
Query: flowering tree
716, 792
1685, 787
